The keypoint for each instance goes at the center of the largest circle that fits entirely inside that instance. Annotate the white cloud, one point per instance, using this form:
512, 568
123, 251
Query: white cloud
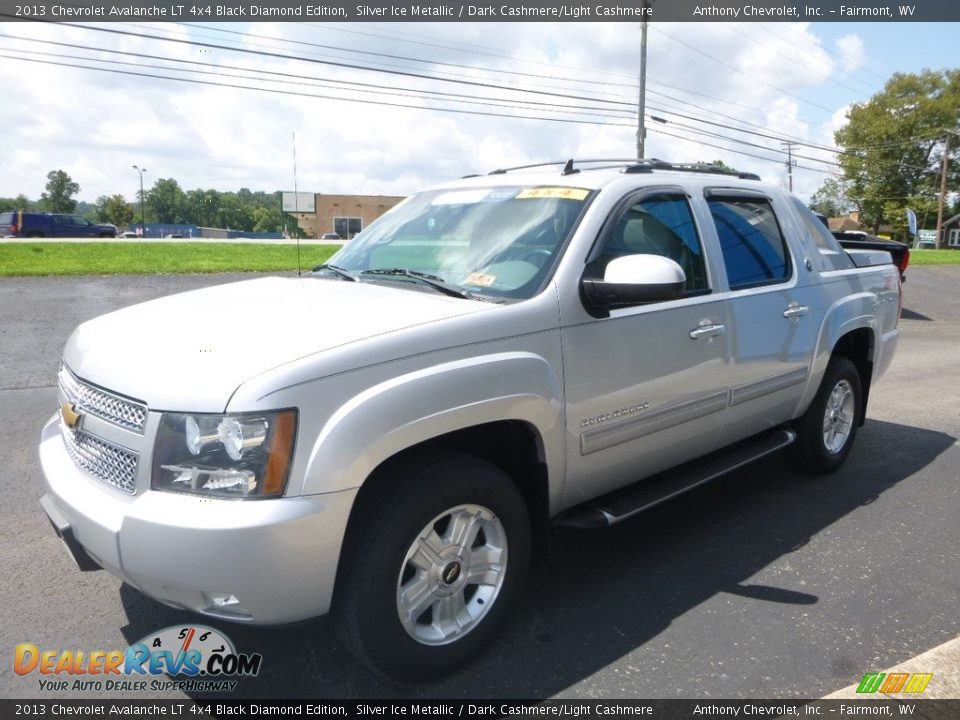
852, 50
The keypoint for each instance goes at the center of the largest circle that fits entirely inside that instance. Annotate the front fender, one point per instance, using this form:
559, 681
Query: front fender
409, 409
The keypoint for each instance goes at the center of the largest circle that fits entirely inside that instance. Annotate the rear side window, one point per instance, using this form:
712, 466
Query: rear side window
754, 251
827, 244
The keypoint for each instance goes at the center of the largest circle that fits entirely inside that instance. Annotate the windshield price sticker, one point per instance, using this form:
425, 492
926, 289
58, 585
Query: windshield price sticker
564, 193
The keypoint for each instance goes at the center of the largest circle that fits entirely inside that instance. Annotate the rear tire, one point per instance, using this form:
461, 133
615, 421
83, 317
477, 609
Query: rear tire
826, 432
433, 566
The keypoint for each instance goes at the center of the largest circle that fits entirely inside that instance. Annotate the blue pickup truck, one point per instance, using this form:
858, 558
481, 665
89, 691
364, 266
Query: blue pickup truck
37, 224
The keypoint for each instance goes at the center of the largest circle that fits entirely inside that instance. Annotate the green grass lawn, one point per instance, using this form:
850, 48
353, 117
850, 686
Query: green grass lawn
132, 258
934, 257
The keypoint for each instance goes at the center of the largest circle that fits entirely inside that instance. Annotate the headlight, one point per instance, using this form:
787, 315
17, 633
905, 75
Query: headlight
240, 455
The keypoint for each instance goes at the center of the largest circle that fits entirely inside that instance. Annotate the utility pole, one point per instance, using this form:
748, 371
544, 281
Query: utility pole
143, 228
943, 192
790, 163
642, 100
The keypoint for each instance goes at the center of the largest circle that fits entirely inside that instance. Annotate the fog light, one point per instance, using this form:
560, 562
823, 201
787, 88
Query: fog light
222, 601
226, 605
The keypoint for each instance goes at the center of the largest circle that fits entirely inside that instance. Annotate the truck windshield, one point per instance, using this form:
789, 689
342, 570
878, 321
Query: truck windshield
499, 242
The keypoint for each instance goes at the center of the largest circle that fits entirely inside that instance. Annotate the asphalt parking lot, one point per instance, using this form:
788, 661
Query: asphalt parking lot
764, 584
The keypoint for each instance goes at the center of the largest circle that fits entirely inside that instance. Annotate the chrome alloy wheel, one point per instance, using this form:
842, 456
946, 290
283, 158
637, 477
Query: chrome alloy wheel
838, 417
451, 574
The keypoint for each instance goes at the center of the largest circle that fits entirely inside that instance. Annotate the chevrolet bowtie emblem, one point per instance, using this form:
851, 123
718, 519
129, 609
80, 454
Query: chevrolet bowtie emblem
68, 412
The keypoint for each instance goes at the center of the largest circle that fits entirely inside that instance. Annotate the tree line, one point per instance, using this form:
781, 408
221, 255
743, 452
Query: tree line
164, 203
892, 154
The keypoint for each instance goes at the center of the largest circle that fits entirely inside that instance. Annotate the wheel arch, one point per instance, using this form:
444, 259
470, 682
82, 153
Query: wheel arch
858, 346
851, 337
513, 446
464, 402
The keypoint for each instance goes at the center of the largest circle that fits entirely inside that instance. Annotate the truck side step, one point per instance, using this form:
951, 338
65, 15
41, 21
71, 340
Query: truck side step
626, 502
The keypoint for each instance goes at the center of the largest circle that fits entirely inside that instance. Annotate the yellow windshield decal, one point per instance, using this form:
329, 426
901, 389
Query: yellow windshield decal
480, 279
565, 193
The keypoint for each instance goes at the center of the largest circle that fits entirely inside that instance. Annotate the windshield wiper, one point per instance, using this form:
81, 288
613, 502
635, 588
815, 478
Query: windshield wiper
345, 274
432, 280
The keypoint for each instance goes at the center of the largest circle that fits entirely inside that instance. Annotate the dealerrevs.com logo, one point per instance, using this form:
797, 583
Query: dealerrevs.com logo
897, 682
197, 657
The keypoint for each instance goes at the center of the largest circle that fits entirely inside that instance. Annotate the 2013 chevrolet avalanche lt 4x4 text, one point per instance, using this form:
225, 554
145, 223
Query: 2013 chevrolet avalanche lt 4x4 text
383, 438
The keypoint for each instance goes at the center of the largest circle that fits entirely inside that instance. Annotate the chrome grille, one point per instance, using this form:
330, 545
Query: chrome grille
101, 460
113, 408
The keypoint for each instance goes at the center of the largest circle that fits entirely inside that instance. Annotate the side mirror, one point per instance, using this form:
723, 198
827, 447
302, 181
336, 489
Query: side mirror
634, 279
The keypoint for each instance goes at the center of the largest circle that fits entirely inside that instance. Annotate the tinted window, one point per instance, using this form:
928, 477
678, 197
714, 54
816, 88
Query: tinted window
827, 244
818, 231
657, 225
754, 252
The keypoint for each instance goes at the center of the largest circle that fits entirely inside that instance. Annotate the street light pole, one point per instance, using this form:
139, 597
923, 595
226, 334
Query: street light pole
642, 97
143, 229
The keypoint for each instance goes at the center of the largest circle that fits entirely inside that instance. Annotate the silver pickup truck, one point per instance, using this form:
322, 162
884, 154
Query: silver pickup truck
385, 437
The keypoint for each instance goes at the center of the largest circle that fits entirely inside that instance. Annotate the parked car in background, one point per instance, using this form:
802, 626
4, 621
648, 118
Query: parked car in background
38, 224
331, 236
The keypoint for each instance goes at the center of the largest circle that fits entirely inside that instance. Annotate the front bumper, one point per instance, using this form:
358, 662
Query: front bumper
260, 561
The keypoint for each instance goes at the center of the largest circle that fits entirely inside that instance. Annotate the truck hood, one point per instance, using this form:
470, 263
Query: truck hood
191, 351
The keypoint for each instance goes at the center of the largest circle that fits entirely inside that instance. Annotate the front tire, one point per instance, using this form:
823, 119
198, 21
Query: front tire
826, 432
434, 563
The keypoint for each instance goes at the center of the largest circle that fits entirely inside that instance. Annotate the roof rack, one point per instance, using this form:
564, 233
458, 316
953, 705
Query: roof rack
633, 165
649, 165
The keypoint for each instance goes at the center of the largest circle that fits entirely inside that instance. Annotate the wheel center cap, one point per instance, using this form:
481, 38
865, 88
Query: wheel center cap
451, 573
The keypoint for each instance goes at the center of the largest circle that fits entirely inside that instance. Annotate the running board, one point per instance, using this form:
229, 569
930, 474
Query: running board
621, 504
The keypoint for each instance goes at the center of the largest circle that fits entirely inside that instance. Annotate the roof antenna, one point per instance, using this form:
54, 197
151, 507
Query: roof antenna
296, 202
568, 168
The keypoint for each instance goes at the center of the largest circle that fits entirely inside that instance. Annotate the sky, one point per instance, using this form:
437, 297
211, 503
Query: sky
573, 84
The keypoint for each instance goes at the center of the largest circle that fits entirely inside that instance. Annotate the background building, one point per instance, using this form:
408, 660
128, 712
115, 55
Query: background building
345, 215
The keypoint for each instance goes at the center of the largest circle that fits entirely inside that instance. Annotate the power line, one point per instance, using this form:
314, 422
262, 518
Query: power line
737, 152
334, 84
742, 72
825, 49
459, 66
825, 76
276, 91
473, 83
491, 70
701, 131
437, 95
332, 63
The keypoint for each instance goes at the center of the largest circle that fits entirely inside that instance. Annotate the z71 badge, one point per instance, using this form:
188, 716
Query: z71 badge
614, 415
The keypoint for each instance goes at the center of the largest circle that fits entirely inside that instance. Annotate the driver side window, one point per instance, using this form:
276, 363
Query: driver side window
658, 225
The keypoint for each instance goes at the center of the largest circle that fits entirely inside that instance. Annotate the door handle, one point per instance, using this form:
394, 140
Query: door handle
795, 310
707, 331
